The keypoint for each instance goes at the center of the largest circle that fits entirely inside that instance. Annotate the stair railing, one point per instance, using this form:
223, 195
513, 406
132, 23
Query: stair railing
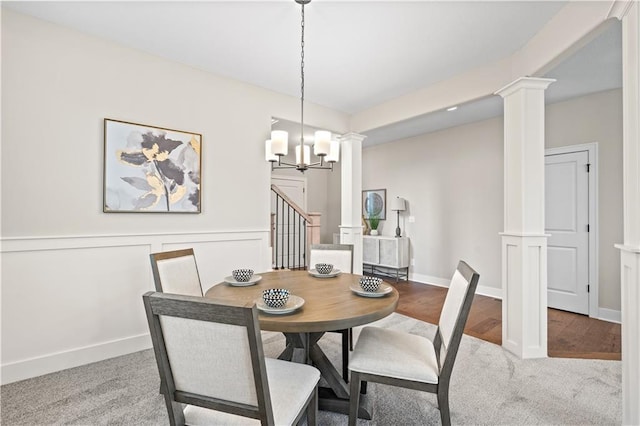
289, 238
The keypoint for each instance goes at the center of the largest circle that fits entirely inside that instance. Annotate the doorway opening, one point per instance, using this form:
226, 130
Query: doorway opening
571, 221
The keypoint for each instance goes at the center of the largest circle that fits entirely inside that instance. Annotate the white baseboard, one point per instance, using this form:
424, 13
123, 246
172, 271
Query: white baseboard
428, 279
610, 315
34, 367
604, 314
494, 292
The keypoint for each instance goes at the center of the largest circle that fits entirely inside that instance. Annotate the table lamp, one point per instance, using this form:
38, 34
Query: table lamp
398, 205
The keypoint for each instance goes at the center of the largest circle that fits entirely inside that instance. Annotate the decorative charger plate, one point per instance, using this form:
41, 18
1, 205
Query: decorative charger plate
294, 303
334, 273
382, 290
252, 281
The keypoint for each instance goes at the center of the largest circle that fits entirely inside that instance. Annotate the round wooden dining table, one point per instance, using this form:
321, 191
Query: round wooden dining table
329, 305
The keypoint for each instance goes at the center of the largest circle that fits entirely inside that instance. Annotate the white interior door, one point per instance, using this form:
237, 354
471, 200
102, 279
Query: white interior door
567, 221
287, 237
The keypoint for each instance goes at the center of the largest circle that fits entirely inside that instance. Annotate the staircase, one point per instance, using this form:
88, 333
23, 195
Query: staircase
292, 231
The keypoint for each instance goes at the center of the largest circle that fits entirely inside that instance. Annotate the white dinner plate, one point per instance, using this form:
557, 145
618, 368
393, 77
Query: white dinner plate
334, 273
252, 281
382, 290
294, 303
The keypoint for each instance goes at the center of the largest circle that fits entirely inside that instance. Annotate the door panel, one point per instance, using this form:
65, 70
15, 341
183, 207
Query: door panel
566, 219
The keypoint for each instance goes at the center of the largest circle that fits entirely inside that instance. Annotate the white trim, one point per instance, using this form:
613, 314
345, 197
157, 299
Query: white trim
604, 314
51, 363
630, 249
482, 290
428, 279
16, 244
35, 360
594, 283
610, 315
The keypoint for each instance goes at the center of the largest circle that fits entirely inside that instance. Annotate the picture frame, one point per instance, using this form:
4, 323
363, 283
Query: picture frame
374, 201
150, 169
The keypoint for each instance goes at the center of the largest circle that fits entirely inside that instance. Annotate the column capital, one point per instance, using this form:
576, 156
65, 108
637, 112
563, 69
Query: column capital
351, 136
619, 8
525, 83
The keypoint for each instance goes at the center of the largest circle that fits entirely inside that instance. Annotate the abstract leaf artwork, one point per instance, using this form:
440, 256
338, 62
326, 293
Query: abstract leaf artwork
150, 169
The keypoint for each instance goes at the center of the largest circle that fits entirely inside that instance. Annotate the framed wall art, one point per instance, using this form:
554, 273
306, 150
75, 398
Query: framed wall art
374, 203
151, 169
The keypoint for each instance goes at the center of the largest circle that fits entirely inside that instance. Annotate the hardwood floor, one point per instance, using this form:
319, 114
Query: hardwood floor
570, 335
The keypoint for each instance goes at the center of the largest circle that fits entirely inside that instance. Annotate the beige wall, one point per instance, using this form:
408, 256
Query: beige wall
72, 276
453, 182
57, 87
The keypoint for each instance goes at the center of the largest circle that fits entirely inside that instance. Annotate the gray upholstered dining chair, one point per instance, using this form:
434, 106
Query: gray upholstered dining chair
341, 257
213, 370
176, 272
407, 360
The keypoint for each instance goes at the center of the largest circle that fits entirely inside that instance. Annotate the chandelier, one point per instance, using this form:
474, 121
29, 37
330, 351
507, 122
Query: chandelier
324, 147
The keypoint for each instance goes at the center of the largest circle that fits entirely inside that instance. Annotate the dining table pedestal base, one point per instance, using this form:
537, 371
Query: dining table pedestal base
304, 348
328, 401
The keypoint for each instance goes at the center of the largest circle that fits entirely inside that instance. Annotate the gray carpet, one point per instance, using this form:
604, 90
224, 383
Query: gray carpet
489, 386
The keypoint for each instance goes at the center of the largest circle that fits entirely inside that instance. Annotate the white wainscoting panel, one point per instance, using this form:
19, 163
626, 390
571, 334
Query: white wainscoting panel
69, 301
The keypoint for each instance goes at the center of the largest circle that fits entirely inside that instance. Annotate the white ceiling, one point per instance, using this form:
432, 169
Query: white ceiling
358, 54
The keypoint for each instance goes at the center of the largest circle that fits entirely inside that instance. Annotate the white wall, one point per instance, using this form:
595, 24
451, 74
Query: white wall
72, 276
453, 182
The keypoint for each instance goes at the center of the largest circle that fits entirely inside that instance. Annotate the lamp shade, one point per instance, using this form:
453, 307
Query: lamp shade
334, 154
279, 142
322, 143
268, 154
398, 204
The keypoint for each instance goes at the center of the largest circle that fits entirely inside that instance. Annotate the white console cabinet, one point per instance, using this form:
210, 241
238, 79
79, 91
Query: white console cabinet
386, 256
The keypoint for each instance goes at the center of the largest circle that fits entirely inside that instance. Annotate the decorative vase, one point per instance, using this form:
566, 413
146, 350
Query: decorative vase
374, 232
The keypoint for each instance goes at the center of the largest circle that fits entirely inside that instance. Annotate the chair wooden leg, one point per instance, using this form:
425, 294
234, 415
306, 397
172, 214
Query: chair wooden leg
354, 398
312, 409
345, 356
351, 339
443, 405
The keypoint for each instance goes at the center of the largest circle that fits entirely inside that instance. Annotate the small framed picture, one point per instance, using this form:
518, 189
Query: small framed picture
374, 203
150, 169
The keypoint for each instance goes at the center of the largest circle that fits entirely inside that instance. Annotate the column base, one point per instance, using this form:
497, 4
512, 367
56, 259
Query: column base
630, 295
524, 295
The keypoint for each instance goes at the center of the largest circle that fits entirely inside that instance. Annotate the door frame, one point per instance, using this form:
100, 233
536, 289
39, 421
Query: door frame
592, 149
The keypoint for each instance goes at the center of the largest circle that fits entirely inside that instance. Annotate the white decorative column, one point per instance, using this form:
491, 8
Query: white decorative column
629, 12
351, 196
524, 242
